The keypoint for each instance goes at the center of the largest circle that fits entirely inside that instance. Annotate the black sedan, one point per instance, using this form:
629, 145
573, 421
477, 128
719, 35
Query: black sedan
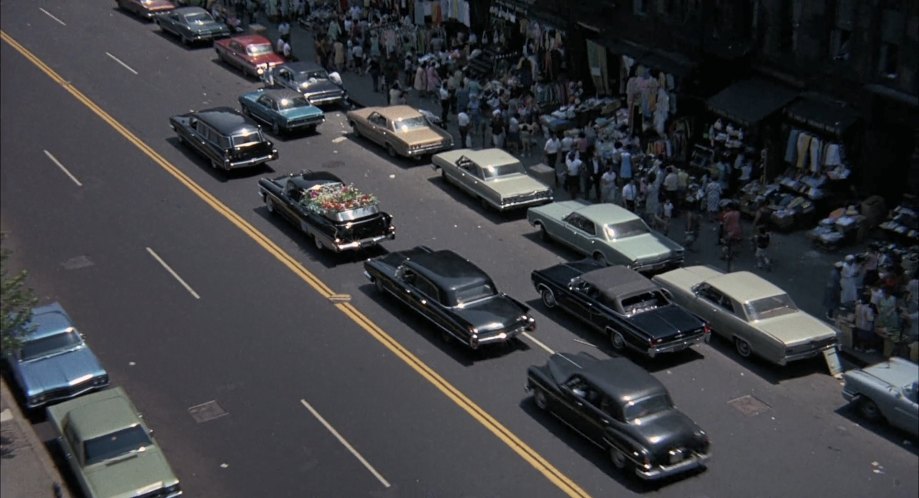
620, 407
633, 311
451, 292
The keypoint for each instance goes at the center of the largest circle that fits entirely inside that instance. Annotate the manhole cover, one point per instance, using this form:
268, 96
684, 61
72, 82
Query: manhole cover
206, 412
748, 405
77, 263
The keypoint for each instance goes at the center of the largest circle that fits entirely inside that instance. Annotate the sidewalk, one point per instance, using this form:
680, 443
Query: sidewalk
26, 469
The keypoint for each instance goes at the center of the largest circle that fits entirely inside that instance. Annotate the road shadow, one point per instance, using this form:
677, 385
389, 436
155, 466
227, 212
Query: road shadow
893, 435
307, 249
220, 175
772, 373
599, 456
447, 344
235, 70
460, 196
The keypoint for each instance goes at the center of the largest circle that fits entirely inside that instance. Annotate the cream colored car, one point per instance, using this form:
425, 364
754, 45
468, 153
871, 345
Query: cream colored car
494, 177
400, 129
757, 316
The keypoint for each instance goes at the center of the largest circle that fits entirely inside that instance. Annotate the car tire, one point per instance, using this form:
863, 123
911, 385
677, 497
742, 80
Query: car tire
215, 164
540, 399
378, 283
318, 243
485, 205
269, 205
743, 347
354, 128
548, 297
390, 150
443, 174
543, 234
600, 259
869, 410
617, 457
276, 128
616, 340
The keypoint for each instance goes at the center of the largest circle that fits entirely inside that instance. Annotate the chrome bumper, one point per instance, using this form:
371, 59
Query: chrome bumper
363, 243
676, 345
228, 165
526, 203
662, 471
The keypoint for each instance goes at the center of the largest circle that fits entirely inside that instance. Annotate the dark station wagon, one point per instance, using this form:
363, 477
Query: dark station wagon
225, 137
632, 310
451, 292
620, 407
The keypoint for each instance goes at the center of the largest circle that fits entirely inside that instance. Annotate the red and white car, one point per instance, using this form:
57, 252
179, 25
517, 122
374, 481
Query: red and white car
249, 53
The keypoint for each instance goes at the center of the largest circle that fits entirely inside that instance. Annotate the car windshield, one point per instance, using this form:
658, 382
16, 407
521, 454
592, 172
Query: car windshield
116, 444
769, 307
247, 138
197, 18
292, 102
625, 229
503, 170
259, 49
409, 124
474, 292
318, 74
647, 406
48, 345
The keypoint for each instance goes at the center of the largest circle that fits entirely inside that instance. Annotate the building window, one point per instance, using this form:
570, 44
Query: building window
840, 44
889, 60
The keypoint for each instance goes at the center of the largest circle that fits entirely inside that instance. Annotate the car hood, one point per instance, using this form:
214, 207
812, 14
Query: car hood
667, 430
318, 86
558, 210
895, 372
132, 475
516, 185
795, 328
644, 247
421, 136
493, 314
59, 371
666, 321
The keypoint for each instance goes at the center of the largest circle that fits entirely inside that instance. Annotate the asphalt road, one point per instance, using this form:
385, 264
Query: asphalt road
259, 340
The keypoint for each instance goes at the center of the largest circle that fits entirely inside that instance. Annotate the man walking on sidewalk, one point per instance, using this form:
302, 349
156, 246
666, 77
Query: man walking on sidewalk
462, 121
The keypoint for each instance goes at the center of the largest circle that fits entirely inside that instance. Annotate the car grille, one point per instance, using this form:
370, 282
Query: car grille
65, 392
330, 96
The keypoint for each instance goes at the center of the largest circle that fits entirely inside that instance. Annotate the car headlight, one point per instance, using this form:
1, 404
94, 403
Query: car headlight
260, 71
101, 380
37, 399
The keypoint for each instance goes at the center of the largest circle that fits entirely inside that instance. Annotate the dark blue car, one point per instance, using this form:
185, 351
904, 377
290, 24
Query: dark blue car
284, 111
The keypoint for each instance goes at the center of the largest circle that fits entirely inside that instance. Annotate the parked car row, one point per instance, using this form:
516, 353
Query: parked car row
101, 435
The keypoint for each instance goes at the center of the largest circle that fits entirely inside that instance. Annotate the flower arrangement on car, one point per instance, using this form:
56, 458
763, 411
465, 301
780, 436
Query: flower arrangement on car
336, 197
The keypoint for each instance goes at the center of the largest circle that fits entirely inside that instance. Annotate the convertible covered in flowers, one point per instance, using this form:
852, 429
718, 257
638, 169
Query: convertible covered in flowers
336, 215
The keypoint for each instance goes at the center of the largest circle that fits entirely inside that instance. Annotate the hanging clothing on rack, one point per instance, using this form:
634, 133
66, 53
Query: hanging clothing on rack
816, 147
791, 147
804, 141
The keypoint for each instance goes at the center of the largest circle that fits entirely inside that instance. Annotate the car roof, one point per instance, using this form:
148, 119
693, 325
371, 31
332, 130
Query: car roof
102, 413
618, 281
617, 377
302, 66
281, 93
251, 39
49, 320
447, 269
308, 179
606, 214
397, 112
489, 157
745, 286
226, 120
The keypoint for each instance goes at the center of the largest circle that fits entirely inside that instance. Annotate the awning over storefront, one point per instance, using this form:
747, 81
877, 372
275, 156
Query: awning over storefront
821, 115
748, 102
668, 62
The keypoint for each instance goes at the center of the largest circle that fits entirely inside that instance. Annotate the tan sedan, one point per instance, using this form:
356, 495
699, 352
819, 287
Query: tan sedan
758, 317
401, 129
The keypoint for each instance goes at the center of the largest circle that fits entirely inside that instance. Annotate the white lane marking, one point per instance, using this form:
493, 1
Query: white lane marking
339, 139
52, 17
116, 59
547, 348
173, 273
344, 443
59, 165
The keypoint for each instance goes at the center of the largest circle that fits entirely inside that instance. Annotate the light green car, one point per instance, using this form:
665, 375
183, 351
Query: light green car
494, 177
110, 449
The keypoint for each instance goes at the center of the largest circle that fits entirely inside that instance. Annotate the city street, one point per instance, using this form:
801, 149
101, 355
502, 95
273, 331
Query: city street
193, 295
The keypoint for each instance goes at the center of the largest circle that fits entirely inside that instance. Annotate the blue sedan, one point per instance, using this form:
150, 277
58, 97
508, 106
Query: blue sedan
285, 111
53, 362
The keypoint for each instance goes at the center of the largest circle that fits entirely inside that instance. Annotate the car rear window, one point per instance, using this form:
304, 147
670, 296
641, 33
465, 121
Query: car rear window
769, 307
248, 138
259, 49
647, 406
625, 229
292, 102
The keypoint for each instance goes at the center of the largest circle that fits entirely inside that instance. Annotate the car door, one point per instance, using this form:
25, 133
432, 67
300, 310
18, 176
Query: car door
288, 209
468, 176
427, 300
377, 128
711, 305
579, 233
285, 78
170, 21
581, 301
264, 108
583, 408
236, 53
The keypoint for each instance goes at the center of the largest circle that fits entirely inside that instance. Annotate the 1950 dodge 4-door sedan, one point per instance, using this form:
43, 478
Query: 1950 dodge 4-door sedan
284, 111
225, 137
147, 9
633, 311
758, 317
451, 292
401, 129
494, 177
53, 362
310, 79
110, 449
621, 408
886, 391
608, 233
336, 216
192, 24
251, 54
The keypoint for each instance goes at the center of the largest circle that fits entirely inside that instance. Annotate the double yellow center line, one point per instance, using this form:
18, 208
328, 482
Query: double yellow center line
554, 475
